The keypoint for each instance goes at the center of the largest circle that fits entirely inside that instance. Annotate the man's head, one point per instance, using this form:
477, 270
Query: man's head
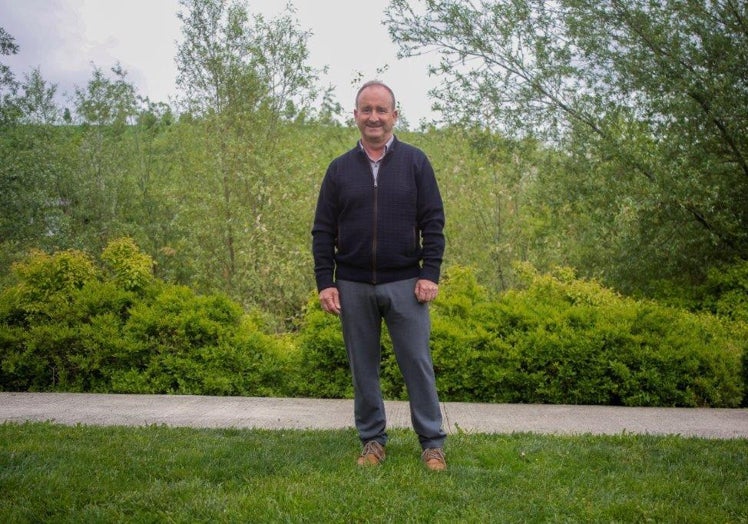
375, 112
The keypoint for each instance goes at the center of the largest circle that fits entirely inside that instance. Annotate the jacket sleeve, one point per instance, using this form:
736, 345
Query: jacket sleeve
431, 221
324, 233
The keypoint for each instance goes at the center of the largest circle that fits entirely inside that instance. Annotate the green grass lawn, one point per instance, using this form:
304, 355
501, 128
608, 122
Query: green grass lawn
54, 473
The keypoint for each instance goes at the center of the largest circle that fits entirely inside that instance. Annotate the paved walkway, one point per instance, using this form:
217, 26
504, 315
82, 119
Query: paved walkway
298, 413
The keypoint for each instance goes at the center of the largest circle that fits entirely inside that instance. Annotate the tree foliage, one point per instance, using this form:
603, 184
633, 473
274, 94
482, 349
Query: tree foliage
8, 83
243, 79
649, 98
232, 61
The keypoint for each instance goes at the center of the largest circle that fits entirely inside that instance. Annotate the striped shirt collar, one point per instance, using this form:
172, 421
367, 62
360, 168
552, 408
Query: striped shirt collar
386, 148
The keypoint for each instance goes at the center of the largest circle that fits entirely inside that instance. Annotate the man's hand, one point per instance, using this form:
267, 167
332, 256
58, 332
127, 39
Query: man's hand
426, 290
329, 298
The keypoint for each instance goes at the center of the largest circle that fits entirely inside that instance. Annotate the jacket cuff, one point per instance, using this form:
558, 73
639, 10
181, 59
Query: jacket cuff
430, 274
324, 283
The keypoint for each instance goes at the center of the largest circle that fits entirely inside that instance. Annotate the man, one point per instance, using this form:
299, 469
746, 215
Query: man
378, 246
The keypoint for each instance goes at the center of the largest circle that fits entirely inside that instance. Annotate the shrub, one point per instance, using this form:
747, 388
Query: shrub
47, 283
324, 370
564, 340
471, 363
131, 269
55, 332
201, 345
558, 339
68, 326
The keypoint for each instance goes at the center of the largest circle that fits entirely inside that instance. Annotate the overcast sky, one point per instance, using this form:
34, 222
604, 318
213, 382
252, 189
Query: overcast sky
65, 37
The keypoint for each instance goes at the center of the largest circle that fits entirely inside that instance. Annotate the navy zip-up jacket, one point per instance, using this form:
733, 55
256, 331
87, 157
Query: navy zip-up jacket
383, 232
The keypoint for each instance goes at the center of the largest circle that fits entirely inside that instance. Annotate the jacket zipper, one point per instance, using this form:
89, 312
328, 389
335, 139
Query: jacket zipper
374, 233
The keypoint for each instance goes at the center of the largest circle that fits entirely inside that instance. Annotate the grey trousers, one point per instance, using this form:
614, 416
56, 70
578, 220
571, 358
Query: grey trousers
363, 307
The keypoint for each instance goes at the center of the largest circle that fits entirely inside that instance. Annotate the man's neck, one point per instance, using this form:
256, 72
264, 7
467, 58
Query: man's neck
375, 150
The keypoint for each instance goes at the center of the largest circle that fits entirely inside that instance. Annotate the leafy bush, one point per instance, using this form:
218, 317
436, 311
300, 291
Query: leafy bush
202, 345
563, 340
471, 363
58, 324
67, 325
47, 283
324, 370
557, 340
131, 269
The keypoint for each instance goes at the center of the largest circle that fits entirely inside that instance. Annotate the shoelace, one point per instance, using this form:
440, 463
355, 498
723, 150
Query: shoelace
372, 448
433, 454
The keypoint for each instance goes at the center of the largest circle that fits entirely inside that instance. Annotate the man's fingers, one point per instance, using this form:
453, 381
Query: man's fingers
426, 290
330, 300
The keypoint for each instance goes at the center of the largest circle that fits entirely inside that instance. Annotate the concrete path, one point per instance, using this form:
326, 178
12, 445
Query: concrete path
286, 413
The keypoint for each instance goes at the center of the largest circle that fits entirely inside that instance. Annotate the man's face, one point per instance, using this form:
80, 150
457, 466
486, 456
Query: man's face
375, 116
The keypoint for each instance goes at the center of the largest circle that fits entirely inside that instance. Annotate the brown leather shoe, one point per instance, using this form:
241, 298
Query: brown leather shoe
372, 454
434, 459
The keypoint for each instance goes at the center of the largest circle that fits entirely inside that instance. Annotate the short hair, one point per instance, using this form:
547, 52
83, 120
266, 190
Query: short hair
371, 83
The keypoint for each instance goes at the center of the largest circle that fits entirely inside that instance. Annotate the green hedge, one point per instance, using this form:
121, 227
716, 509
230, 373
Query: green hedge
71, 323
324, 371
559, 339
565, 340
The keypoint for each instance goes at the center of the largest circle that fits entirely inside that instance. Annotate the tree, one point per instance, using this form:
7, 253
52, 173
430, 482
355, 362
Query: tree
37, 101
240, 78
224, 48
33, 168
211, 51
280, 57
651, 95
8, 84
8, 46
112, 189
105, 101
